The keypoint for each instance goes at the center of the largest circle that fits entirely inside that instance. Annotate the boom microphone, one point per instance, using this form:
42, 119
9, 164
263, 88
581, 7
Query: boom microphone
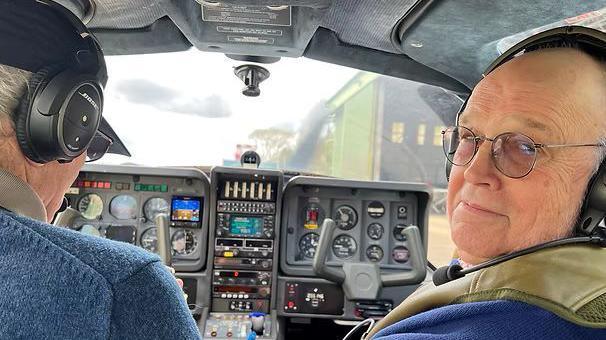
450, 273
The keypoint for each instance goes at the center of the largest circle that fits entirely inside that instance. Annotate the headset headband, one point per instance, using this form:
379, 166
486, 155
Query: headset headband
589, 40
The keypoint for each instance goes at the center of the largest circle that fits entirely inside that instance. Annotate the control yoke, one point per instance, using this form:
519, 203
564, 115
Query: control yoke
363, 281
163, 233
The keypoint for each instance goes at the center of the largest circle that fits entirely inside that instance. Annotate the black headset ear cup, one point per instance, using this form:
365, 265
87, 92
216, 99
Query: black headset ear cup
594, 205
38, 81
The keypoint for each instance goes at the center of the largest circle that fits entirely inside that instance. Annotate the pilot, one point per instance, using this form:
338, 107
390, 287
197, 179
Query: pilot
57, 283
523, 154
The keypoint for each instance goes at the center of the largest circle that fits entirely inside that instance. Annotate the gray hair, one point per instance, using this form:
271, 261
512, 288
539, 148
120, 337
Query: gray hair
13, 86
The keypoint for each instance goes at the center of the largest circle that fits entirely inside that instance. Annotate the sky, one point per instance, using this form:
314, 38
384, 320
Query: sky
186, 108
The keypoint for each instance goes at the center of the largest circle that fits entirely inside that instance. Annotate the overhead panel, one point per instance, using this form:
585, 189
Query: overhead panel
244, 29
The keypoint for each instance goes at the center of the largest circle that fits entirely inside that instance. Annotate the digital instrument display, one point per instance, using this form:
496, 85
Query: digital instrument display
185, 208
240, 225
126, 233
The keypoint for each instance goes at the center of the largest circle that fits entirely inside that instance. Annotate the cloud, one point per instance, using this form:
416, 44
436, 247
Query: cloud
142, 91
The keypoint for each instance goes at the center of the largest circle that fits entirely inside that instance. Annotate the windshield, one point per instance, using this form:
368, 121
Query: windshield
187, 109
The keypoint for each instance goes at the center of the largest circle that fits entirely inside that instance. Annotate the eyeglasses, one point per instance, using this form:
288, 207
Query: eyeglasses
98, 147
513, 154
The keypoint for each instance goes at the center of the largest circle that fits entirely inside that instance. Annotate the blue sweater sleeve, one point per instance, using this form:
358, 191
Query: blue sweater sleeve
150, 305
487, 320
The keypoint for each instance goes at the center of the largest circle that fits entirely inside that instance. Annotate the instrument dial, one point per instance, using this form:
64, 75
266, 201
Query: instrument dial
149, 240
308, 244
374, 253
375, 209
123, 207
344, 246
184, 242
155, 206
397, 232
346, 217
90, 206
90, 229
400, 254
375, 231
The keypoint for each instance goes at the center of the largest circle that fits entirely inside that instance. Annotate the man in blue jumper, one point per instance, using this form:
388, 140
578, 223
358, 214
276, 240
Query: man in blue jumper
56, 283
524, 149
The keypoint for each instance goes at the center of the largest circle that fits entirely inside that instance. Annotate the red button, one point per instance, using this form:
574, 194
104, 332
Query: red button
107, 185
87, 184
291, 304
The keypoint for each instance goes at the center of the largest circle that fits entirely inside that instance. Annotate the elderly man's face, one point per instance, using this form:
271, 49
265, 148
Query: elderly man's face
554, 97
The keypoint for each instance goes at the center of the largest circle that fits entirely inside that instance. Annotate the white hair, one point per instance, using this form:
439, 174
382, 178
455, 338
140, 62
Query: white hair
13, 86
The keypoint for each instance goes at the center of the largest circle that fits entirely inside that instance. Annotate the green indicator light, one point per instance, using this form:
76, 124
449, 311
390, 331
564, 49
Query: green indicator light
164, 188
138, 187
157, 187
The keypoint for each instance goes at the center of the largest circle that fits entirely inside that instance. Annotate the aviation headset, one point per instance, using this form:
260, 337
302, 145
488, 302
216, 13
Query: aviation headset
59, 116
592, 42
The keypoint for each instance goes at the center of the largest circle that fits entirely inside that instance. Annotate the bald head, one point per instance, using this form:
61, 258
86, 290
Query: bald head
572, 85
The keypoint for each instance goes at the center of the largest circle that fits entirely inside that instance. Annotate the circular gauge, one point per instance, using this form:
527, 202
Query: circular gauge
90, 206
123, 207
400, 254
155, 206
346, 217
344, 246
89, 229
375, 231
375, 209
397, 232
184, 242
149, 240
313, 216
374, 253
308, 244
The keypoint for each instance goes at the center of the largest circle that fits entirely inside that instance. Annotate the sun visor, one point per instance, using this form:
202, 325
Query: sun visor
117, 147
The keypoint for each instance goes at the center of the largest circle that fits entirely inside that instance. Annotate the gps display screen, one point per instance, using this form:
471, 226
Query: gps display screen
185, 208
249, 226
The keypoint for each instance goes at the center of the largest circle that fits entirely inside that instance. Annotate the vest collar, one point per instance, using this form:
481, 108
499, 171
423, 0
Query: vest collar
562, 280
19, 197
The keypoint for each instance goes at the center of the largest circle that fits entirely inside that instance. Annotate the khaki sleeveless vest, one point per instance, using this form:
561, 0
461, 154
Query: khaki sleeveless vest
569, 281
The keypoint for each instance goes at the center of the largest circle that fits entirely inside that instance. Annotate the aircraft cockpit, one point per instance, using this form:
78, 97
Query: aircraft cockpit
287, 157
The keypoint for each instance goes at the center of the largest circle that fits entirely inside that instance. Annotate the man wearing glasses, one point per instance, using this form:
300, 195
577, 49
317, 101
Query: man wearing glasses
522, 155
56, 283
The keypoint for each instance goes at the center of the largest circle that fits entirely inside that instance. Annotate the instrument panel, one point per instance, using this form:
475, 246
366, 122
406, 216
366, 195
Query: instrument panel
121, 204
244, 240
369, 218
